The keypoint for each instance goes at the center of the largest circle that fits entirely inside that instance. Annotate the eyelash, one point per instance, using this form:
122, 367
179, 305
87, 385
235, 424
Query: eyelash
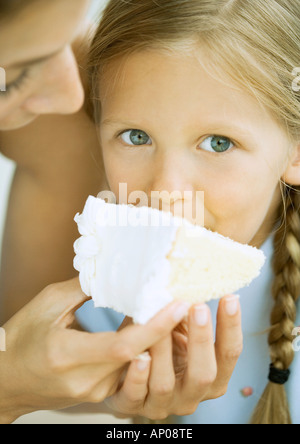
235, 145
17, 84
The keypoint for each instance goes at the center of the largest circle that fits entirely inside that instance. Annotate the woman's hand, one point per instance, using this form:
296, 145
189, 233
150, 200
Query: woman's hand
49, 366
187, 368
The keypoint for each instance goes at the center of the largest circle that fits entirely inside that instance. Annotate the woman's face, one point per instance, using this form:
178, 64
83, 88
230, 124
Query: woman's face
167, 125
41, 72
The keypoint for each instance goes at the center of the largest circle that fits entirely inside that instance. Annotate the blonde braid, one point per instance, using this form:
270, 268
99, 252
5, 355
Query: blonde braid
273, 406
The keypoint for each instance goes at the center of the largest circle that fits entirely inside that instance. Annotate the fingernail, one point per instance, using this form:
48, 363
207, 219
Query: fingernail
201, 315
143, 361
232, 305
181, 311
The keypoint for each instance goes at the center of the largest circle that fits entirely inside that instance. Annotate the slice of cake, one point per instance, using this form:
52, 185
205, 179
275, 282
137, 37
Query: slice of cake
137, 260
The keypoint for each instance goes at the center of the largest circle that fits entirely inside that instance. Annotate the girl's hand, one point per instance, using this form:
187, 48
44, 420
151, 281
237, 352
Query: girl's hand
187, 368
49, 366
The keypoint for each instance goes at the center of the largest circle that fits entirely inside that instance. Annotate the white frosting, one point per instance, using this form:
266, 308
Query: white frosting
122, 268
137, 260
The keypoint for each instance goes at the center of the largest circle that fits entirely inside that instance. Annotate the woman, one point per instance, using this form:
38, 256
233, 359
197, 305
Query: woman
47, 365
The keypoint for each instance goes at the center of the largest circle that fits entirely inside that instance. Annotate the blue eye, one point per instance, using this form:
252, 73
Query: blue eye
136, 138
217, 144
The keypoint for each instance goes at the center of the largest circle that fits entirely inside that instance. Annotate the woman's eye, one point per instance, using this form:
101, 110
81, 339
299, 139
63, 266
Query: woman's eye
216, 144
136, 137
17, 84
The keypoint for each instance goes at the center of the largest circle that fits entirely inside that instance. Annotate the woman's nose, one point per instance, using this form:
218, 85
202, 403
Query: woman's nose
60, 90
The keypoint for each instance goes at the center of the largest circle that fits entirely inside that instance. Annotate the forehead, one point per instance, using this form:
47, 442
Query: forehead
39, 29
152, 85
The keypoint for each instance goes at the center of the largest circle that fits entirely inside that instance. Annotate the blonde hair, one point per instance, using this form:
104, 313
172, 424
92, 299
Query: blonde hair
256, 43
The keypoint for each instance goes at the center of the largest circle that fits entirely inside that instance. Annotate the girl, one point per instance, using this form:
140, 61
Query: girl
47, 365
198, 95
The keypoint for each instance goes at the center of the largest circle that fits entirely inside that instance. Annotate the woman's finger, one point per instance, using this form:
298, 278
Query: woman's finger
116, 349
60, 302
202, 367
229, 341
136, 339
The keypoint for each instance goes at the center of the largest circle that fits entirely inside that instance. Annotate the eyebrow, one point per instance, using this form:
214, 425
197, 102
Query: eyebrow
26, 63
119, 122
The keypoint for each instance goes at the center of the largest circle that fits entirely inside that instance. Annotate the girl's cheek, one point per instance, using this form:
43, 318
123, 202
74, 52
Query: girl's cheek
123, 169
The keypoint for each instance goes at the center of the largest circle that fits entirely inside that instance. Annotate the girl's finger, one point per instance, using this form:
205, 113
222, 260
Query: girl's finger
135, 387
201, 371
131, 397
162, 378
229, 341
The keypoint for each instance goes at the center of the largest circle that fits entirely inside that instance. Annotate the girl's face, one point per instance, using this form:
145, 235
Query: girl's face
166, 125
41, 72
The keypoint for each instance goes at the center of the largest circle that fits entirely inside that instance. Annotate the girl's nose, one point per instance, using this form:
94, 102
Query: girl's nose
60, 90
172, 173
172, 187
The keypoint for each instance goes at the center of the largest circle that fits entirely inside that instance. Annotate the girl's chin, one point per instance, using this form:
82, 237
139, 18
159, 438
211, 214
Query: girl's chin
17, 123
